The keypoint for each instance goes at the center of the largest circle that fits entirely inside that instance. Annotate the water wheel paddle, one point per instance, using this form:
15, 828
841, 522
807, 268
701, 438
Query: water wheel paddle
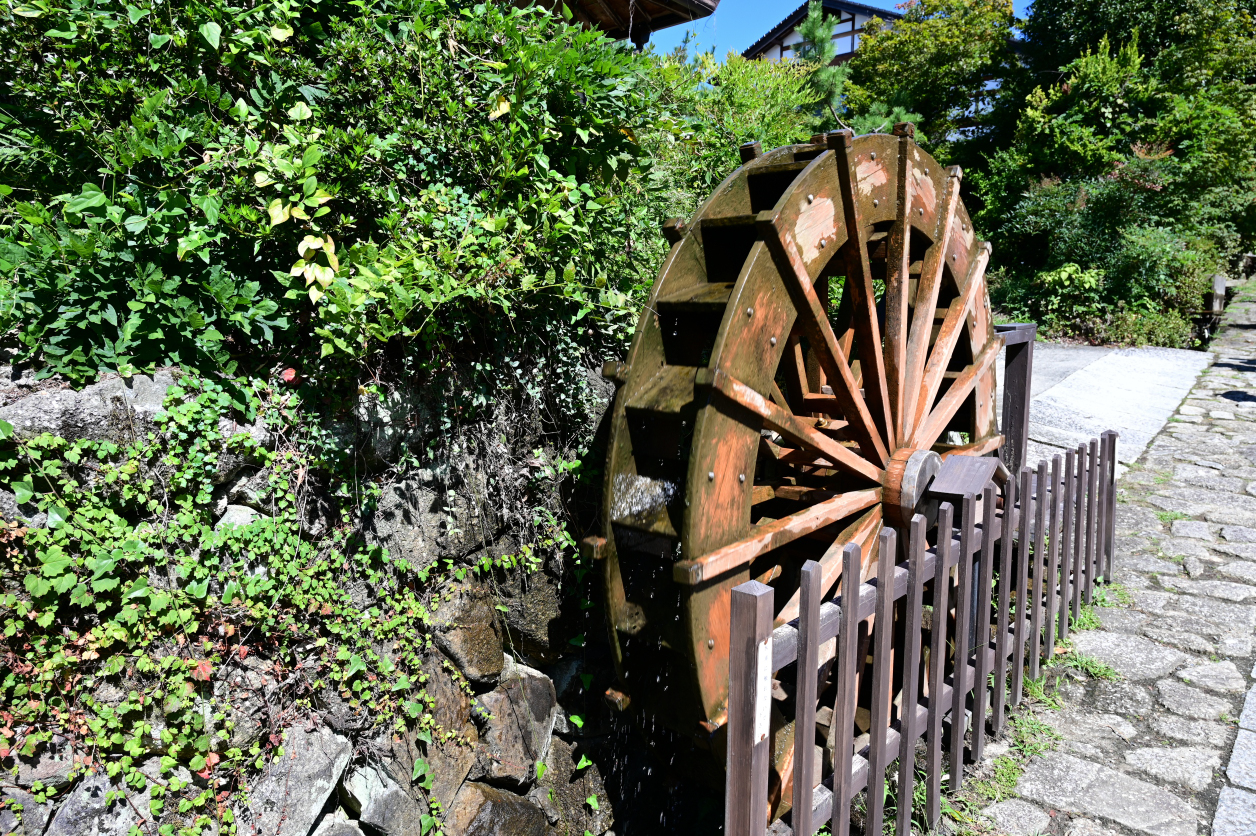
819, 337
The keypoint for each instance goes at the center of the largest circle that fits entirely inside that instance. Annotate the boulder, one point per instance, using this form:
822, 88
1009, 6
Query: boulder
289, 797
411, 521
481, 810
466, 630
250, 489
50, 766
563, 791
117, 409
28, 514
387, 420
338, 824
87, 809
518, 722
372, 794
21, 814
236, 515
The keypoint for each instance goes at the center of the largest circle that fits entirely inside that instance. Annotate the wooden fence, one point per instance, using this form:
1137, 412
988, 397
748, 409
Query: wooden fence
1046, 537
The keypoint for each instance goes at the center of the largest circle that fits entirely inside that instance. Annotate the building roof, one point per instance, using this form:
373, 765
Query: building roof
617, 17
796, 17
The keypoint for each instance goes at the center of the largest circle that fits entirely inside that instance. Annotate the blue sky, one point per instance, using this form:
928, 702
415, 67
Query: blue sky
736, 24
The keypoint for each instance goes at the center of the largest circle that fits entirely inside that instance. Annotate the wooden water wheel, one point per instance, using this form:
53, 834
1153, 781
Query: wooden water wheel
819, 337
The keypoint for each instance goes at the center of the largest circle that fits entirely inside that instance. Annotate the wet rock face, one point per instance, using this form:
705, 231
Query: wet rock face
481, 810
467, 631
533, 604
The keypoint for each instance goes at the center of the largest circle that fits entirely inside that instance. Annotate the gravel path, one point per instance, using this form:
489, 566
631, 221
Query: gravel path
1169, 749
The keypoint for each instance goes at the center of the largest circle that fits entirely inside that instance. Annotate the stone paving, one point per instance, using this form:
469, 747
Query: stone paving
1169, 749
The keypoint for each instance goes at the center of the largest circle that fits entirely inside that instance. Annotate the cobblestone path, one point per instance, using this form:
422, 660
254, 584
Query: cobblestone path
1169, 749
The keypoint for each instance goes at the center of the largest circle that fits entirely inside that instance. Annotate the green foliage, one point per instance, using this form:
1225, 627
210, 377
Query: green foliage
935, 62
223, 139
706, 109
828, 80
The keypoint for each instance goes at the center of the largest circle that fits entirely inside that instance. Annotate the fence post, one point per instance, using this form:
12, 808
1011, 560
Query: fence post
913, 605
749, 710
1109, 519
937, 663
1066, 547
1018, 370
805, 714
841, 737
1092, 502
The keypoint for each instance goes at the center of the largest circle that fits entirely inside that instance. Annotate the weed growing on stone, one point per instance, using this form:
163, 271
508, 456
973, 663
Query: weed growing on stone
1087, 619
1170, 516
1088, 665
1113, 595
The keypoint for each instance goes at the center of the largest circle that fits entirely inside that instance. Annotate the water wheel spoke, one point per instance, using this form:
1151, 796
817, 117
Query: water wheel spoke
863, 296
815, 325
773, 535
928, 432
795, 429
948, 335
897, 285
861, 532
927, 300
979, 447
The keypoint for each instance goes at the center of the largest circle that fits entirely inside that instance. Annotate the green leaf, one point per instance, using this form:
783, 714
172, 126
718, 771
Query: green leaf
578, 720
592, 802
90, 198
36, 585
158, 41
211, 32
199, 590
57, 515
356, 665
281, 32
135, 224
540, 770
68, 34
420, 769
300, 111
135, 14
584, 761
6, 430
23, 491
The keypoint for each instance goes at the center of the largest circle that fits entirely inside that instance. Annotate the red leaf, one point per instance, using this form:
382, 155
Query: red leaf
289, 376
244, 651
203, 671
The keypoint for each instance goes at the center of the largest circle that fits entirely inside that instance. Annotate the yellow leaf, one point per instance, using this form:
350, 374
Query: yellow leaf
315, 294
278, 212
308, 244
298, 268
628, 133
262, 179
324, 275
503, 107
310, 271
332, 260
281, 32
328, 244
322, 196
299, 212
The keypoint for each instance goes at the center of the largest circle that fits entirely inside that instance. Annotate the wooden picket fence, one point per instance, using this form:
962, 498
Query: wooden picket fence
1048, 541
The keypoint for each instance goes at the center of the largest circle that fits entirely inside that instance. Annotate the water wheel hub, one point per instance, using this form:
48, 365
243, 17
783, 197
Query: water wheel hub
907, 480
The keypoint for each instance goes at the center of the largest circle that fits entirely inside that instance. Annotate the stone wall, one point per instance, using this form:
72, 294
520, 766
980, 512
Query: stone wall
510, 761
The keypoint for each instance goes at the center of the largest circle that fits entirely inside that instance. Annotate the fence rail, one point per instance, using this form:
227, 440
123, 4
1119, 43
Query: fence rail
934, 626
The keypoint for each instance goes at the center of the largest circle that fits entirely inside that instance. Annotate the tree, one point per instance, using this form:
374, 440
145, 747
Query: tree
828, 80
943, 60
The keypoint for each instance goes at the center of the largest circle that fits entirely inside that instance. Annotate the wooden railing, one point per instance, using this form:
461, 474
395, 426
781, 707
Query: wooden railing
936, 626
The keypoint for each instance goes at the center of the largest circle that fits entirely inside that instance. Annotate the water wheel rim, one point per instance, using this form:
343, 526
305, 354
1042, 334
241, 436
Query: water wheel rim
894, 373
